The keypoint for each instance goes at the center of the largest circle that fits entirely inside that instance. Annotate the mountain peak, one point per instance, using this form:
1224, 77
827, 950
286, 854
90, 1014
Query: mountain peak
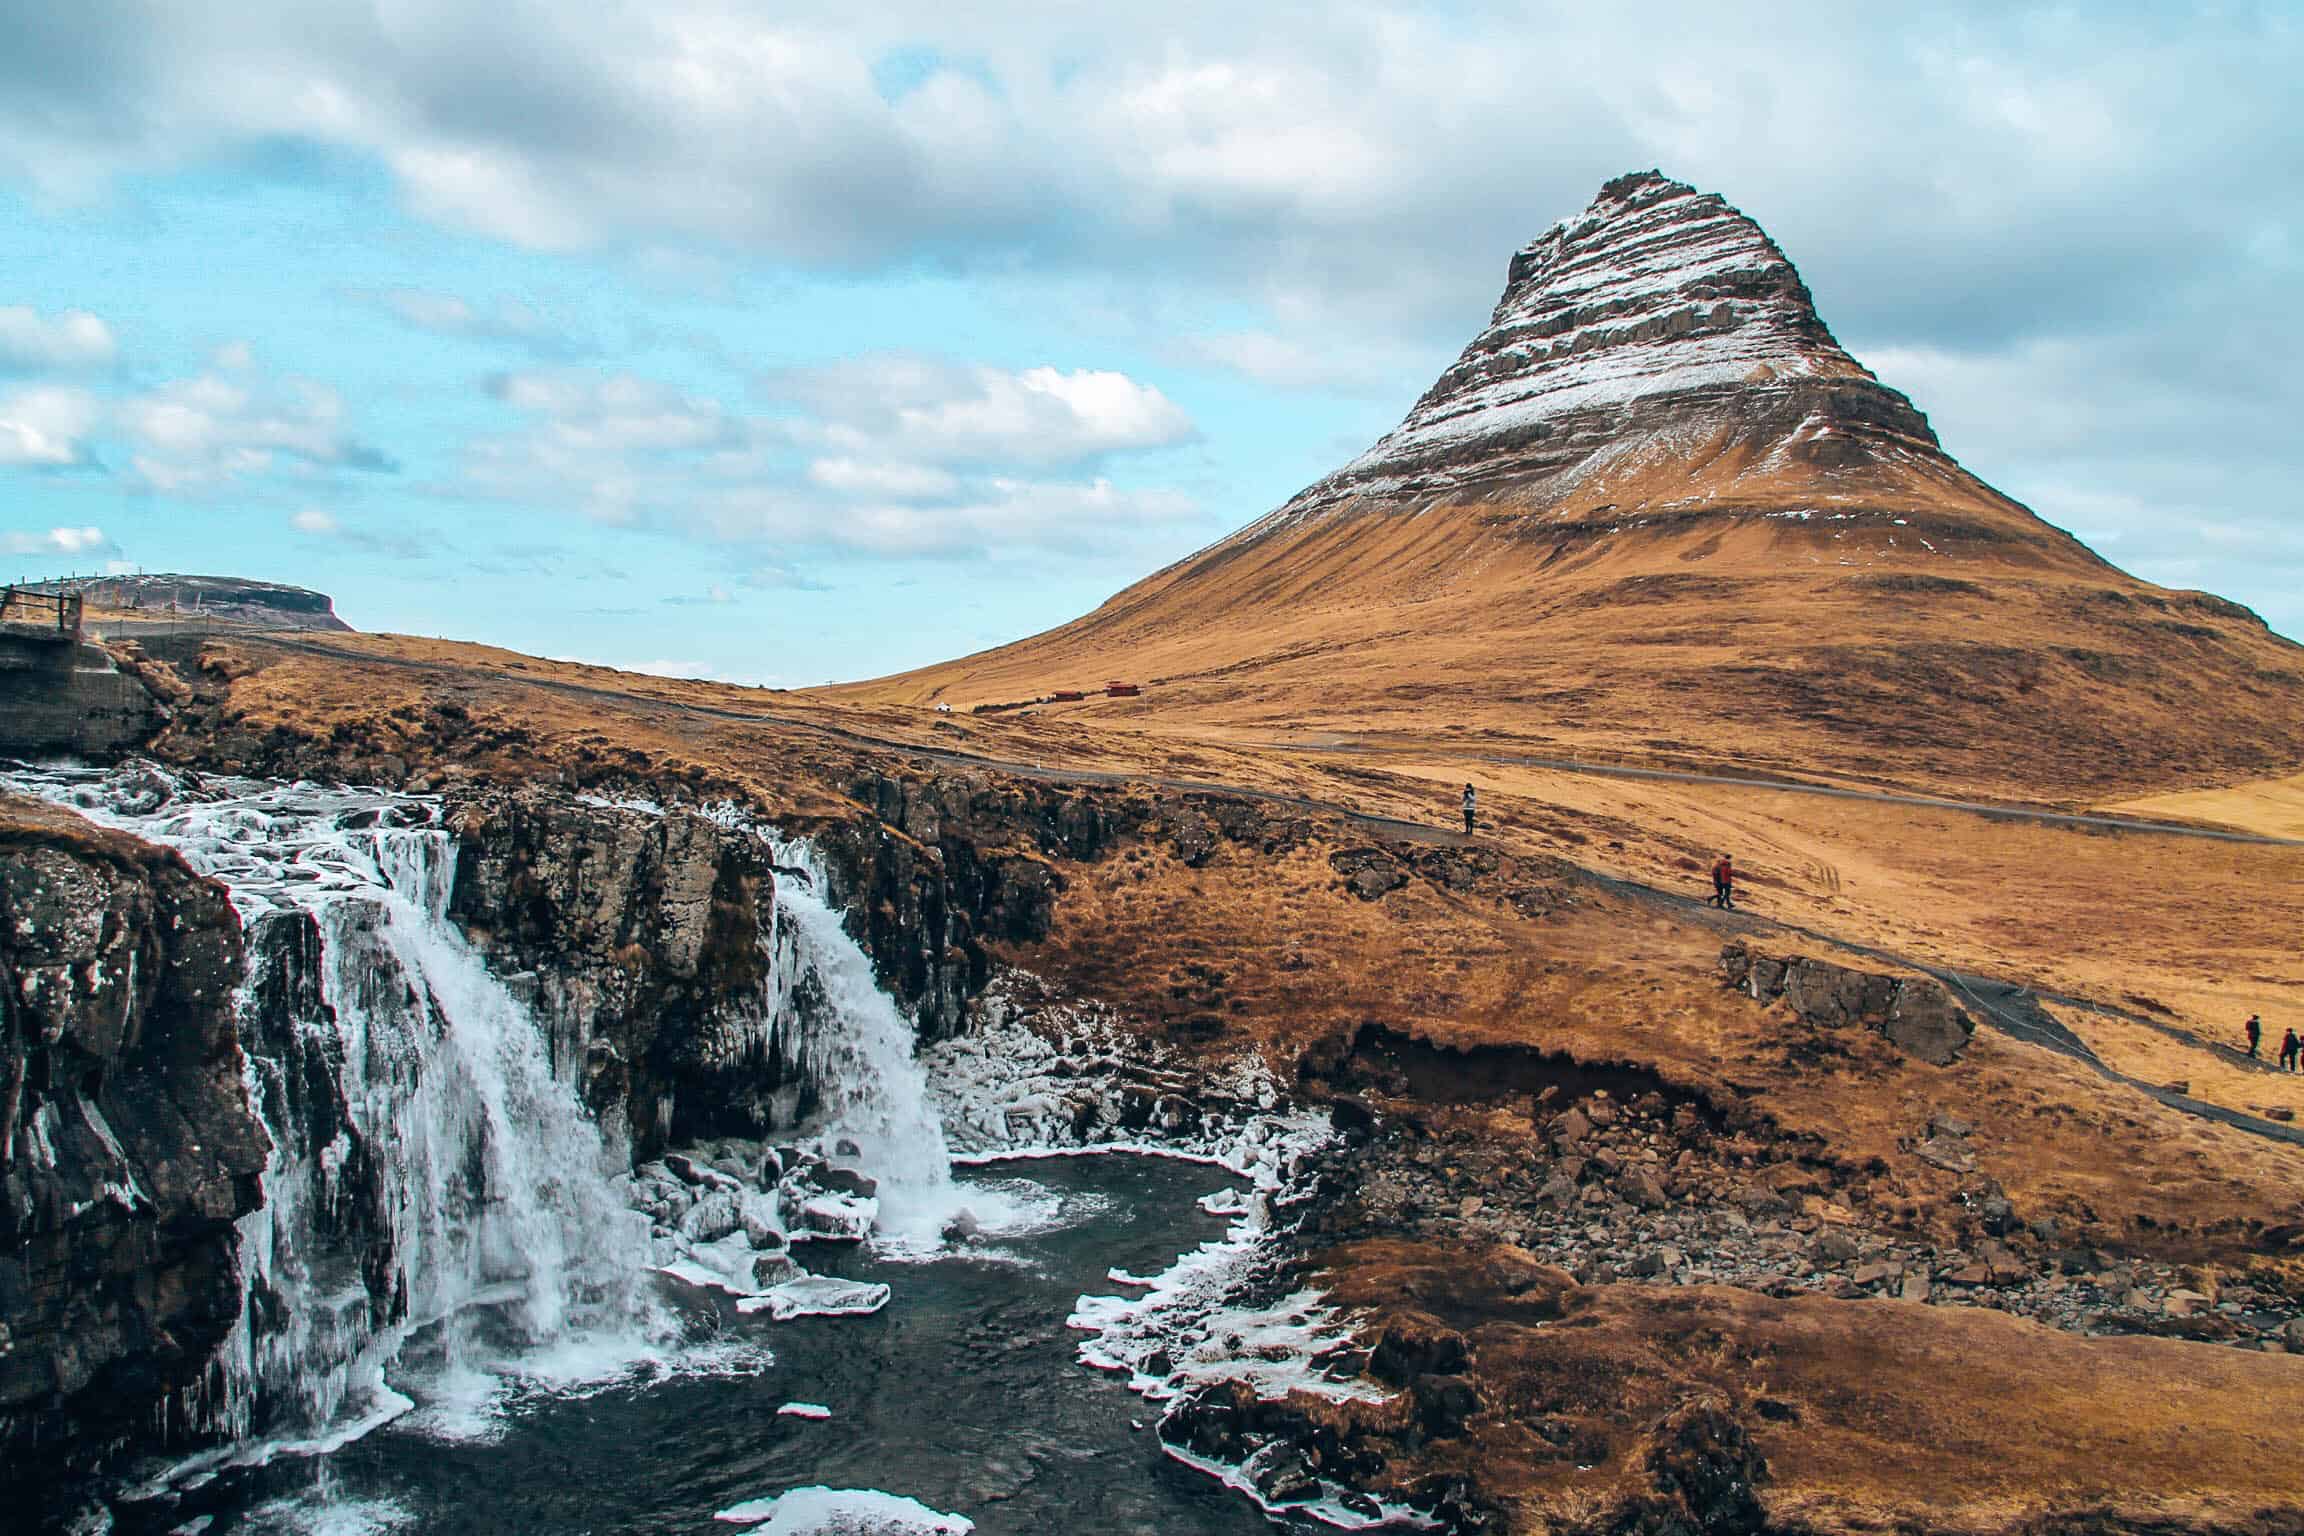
1657, 307
1655, 509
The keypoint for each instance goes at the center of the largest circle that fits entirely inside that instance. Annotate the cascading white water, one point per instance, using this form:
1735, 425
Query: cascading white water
871, 1091
437, 1202
441, 1214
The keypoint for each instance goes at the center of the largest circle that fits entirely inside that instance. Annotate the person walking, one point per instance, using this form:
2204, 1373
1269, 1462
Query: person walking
1724, 884
2288, 1044
2255, 1029
1471, 807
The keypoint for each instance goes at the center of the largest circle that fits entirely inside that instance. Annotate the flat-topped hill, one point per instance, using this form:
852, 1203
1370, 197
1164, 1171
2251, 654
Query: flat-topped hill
228, 599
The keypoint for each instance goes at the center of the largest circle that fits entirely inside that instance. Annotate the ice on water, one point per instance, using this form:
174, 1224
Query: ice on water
843, 1512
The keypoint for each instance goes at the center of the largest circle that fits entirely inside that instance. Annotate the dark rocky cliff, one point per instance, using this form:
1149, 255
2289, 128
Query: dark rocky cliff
72, 698
638, 936
127, 1147
946, 864
638, 933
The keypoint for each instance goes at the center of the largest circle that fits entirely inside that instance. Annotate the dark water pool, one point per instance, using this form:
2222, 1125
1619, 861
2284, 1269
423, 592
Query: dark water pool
962, 1393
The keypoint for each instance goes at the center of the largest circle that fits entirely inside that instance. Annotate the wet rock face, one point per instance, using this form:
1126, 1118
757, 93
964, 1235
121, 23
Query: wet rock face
127, 1145
639, 936
968, 864
1916, 1014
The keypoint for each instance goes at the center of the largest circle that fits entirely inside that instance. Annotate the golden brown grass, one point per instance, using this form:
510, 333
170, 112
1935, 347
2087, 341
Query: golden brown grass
2272, 807
1890, 623
1604, 978
1936, 1418
1882, 1416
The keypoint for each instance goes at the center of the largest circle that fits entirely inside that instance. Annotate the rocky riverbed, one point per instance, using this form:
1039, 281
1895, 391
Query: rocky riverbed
1641, 1190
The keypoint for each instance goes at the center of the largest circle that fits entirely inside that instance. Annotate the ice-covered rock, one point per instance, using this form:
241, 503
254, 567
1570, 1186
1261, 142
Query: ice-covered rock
817, 1296
820, 1511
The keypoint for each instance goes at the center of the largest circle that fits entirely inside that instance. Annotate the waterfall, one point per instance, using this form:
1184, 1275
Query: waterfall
872, 1096
438, 1204
443, 1222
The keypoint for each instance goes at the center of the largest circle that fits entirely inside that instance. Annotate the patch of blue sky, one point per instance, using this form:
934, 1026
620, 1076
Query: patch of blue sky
294, 252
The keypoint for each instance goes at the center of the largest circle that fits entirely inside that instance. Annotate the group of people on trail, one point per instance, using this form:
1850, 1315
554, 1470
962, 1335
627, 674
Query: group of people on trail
2291, 1058
1723, 880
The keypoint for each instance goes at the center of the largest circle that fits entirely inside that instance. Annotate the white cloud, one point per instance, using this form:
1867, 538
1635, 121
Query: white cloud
926, 410
927, 457
46, 427
1315, 358
507, 320
69, 339
1328, 206
320, 523
859, 478
197, 435
994, 515
68, 543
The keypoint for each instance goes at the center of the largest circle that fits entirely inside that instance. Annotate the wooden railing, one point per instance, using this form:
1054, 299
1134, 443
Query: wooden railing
40, 612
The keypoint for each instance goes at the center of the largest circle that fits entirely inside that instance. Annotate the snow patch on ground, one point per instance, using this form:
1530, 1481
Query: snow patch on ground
1328, 1509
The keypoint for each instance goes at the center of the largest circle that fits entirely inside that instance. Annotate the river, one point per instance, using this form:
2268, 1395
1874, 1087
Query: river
964, 1393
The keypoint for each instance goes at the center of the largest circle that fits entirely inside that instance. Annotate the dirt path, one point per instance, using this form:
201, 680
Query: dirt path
2031, 813
2014, 1008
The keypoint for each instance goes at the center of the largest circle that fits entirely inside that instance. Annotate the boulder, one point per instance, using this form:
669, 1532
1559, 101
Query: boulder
711, 1218
1832, 1248
2183, 1303
1369, 873
847, 1181
1641, 1188
1914, 1013
1444, 1404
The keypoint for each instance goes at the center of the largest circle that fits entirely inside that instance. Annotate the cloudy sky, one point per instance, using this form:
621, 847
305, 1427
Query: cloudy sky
786, 342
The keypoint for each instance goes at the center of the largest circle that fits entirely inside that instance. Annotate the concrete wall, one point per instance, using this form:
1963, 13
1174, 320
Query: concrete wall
60, 698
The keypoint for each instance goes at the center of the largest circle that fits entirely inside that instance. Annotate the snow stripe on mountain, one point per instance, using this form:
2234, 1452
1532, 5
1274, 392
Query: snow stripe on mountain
1655, 307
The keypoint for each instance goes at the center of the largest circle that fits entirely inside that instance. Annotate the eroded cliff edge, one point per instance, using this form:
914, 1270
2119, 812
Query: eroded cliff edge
127, 1145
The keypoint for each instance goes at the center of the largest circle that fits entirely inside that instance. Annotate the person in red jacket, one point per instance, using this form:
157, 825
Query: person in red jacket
1724, 883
